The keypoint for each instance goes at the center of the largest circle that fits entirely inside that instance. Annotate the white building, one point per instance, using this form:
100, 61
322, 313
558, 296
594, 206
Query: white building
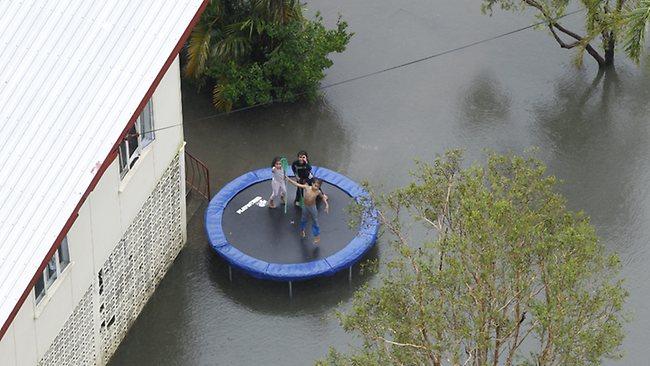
92, 204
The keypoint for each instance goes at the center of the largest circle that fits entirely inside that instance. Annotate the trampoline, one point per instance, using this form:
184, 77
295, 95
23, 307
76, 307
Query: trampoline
265, 243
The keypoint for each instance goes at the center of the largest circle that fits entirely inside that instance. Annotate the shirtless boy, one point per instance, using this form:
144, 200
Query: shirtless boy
309, 208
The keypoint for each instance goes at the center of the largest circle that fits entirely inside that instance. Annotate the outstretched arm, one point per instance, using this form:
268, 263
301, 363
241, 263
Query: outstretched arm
303, 186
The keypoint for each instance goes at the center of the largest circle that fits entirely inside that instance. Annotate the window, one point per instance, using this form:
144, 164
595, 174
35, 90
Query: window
137, 138
52, 270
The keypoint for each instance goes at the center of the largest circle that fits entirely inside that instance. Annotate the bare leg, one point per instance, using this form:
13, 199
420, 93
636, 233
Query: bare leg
315, 229
303, 222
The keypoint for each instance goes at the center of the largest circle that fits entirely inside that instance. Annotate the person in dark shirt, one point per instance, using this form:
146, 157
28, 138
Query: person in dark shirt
302, 170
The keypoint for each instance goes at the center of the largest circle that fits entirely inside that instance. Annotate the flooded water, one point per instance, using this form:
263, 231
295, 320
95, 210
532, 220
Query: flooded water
506, 95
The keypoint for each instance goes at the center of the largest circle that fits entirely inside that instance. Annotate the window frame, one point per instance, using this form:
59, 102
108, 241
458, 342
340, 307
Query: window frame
146, 131
48, 280
143, 129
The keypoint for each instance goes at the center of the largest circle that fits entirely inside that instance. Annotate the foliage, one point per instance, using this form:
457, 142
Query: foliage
607, 23
504, 274
637, 19
258, 51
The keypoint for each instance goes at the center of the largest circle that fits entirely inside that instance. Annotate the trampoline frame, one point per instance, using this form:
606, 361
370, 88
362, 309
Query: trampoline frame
344, 258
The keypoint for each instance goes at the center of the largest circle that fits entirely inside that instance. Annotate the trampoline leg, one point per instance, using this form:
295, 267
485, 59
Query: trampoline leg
230, 273
350, 275
290, 291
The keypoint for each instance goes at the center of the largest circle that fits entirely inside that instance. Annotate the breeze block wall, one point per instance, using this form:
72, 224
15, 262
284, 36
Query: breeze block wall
127, 279
75, 343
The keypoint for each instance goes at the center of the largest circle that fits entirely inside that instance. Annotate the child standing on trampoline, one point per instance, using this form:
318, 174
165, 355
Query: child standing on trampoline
311, 193
302, 170
278, 183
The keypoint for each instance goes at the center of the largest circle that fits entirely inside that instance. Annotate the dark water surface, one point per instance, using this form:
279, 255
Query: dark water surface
507, 95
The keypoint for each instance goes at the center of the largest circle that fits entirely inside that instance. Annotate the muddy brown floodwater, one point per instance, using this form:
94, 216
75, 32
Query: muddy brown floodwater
506, 95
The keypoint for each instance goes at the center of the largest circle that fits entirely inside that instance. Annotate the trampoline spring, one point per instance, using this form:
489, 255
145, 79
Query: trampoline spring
290, 291
230, 273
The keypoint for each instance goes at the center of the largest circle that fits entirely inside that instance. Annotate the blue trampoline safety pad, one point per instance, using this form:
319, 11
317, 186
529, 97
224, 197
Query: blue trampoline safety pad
349, 254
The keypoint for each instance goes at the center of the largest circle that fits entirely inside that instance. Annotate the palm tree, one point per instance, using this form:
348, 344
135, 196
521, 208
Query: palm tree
230, 29
199, 47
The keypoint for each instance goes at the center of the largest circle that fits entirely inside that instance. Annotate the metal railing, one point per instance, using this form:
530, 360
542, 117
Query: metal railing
197, 176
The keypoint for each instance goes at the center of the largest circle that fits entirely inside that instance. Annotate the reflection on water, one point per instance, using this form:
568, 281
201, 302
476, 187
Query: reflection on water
596, 137
314, 296
595, 130
484, 104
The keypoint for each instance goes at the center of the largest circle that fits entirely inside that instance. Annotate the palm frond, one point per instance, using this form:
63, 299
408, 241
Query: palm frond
198, 50
236, 28
279, 11
233, 47
637, 20
218, 99
213, 12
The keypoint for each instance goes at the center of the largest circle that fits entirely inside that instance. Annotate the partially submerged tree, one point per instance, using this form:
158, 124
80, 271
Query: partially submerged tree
502, 274
258, 51
607, 23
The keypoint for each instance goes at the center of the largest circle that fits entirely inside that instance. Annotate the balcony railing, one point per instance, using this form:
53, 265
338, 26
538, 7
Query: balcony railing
197, 177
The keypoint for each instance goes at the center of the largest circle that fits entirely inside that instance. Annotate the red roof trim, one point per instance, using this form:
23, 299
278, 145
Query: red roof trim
107, 162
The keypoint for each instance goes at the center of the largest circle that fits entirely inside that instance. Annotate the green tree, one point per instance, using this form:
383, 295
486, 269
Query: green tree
258, 51
501, 273
607, 23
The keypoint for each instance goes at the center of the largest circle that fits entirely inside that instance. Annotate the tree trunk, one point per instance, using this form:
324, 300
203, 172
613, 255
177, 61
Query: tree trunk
610, 44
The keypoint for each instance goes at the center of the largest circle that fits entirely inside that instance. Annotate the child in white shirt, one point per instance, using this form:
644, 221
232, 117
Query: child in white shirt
278, 184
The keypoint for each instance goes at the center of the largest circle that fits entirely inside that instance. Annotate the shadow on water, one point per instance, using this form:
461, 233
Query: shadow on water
484, 103
580, 110
271, 297
486, 116
595, 133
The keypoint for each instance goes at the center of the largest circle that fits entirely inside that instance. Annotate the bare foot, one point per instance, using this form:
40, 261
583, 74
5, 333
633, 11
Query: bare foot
316, 240
271, 204
302, 234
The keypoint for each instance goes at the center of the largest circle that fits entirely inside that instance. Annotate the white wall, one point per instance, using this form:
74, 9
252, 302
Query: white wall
8, 348
102, 222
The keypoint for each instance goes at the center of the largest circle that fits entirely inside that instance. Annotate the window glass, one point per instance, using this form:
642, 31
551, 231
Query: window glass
146, 124
64, 254
39, 288
132, 139
50, 271
139, 135
124, 159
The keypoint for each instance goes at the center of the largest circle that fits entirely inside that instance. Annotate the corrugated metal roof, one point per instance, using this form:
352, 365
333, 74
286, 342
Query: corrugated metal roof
72, 74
